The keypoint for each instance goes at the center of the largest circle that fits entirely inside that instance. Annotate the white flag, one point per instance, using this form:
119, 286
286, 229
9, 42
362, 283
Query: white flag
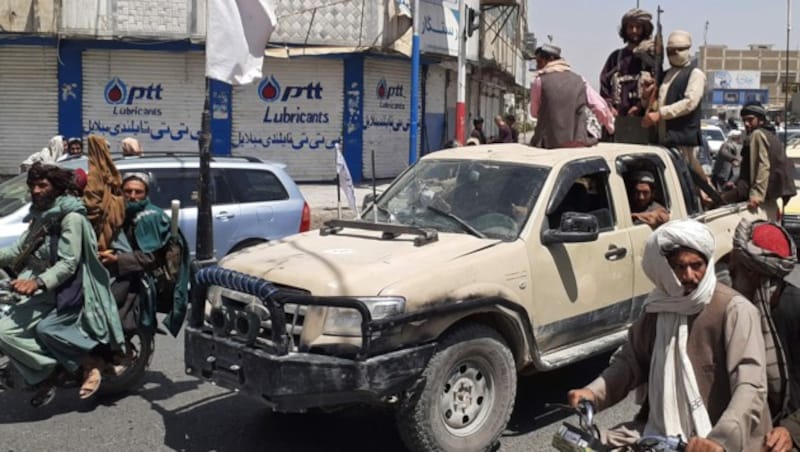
345, 181
237, 31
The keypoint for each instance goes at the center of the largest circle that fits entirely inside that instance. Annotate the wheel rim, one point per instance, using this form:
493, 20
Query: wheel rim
467, 397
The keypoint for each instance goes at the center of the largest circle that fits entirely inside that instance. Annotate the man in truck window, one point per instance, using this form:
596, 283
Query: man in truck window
698, 348
644, 207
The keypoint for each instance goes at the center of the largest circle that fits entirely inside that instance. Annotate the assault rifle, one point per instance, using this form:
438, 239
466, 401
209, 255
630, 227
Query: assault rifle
658, 59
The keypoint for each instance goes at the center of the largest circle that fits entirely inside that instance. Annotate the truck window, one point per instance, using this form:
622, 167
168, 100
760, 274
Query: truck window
589, 193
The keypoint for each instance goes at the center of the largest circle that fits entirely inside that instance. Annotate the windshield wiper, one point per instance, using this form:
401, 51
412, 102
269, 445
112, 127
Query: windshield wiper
464, 225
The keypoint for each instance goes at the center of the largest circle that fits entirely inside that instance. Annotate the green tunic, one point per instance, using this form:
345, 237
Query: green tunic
150, 227
72, 334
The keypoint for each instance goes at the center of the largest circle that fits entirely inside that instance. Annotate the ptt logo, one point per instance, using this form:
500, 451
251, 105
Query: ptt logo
117, 92
269, 90
386, 92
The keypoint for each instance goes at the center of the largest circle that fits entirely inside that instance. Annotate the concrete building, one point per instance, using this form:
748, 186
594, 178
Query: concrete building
736, 76
135, 68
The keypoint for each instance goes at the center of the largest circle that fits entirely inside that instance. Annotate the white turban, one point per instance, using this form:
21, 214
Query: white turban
669, 290
679, 39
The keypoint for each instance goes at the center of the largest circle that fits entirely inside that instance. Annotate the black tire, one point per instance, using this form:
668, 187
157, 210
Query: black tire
478, 360
141, 342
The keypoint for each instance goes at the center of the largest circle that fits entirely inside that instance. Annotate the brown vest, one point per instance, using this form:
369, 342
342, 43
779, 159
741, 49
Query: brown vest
706, 341
562, 112
706, 350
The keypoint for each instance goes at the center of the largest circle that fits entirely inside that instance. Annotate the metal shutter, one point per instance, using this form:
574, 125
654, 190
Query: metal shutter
156, 97
387, 103
293, 115
28, 102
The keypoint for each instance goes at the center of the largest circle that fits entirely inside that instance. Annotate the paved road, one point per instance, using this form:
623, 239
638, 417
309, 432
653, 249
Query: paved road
172, 411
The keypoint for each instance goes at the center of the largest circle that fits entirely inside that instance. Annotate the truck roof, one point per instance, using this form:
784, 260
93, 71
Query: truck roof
524, 154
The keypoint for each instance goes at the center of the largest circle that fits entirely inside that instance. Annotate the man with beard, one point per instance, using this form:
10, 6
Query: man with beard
68, 309
155, 254
644, 208
697, 348
765, 174
679, 96
619, 78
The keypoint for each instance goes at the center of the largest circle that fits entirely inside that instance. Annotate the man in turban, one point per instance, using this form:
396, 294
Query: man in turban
619, 78
67, 309
765, 174
698, 347
157, 253
679, 96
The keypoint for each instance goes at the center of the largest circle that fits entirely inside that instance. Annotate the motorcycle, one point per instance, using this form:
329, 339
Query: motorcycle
585, 437
121, 372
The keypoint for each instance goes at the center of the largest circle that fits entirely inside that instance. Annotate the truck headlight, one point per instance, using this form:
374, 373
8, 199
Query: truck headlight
347, 321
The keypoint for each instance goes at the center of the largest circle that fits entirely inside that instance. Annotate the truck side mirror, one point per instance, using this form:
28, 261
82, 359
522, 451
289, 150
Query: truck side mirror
575, 227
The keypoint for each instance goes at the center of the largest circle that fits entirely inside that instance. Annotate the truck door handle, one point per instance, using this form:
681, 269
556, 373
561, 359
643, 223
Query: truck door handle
224, 215
614, 252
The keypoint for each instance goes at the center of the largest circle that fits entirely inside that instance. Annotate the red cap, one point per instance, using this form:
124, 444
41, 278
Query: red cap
81, 178
771, 238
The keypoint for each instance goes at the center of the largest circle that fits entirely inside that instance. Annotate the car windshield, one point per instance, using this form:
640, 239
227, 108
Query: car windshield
713, 135
485, 199
14, 194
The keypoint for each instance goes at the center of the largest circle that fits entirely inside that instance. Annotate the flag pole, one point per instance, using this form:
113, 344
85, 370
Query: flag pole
374, 190
204, 243
338, 183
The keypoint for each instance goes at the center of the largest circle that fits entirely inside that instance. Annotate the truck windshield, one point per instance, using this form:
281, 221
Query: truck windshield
482, 198
14, 194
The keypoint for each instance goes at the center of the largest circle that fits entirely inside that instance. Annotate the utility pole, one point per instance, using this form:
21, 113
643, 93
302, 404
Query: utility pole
461, 91
705, 35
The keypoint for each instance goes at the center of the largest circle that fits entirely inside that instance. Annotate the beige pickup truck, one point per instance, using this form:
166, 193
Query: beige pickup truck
476, 264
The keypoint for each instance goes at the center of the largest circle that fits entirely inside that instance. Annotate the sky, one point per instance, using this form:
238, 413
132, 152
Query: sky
586, 30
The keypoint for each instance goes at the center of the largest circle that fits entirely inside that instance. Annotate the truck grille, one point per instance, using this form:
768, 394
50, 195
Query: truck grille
294, 315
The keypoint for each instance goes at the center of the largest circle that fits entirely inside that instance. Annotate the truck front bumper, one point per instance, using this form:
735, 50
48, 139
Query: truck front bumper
297, 381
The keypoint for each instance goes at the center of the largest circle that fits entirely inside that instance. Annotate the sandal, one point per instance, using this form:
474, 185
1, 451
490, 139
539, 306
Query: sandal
43, 396
91, 383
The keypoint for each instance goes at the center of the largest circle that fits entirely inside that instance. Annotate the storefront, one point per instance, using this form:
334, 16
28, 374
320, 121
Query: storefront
29, 96
293, 115
154, 96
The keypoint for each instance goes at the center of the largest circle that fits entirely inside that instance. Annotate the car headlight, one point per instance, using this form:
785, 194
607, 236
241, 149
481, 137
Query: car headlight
347, 321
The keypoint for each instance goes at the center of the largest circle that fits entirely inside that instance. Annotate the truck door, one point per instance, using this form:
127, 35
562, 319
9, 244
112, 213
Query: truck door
582, 290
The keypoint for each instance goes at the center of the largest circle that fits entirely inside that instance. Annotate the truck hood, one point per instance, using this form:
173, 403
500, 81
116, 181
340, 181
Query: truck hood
337, 264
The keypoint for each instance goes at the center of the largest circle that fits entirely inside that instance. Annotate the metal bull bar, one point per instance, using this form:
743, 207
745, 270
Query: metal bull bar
274, 301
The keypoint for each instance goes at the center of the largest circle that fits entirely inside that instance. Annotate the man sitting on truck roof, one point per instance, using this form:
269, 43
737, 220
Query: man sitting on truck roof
644, 208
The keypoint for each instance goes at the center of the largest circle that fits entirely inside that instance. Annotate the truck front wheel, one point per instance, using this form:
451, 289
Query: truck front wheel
465, 396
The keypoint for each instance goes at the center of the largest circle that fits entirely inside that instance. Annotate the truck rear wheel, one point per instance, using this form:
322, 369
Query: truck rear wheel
465, 396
